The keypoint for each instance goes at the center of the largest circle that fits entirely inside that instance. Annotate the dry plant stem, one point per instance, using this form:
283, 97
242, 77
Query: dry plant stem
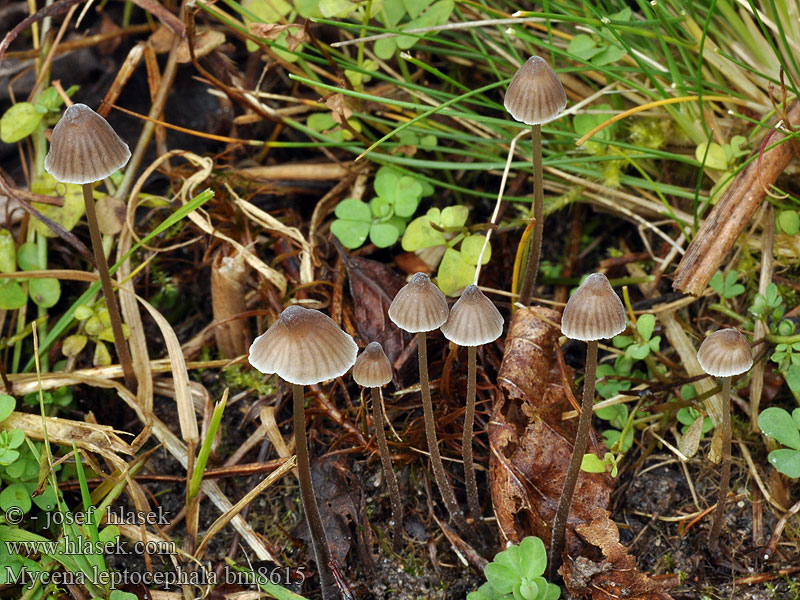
108, 291
578, 450
430, 432
537, 212
730, 216
760, 328
388, 471
725, 473
322, 554
466, 442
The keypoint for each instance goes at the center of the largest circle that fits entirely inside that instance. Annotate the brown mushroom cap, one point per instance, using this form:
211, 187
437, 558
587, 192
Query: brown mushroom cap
474, 319
594, 312
84, 148
725, 353
303, 346
535, 94
372, 368
419, 306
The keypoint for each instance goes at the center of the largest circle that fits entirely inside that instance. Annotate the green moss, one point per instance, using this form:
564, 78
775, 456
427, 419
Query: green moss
239, 377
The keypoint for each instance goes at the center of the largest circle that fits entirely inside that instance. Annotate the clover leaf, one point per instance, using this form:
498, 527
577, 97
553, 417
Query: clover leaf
384, 218
640, 347
779, 424
516, 573
726, 286
421, 233
7, 406
45, 292
789, 222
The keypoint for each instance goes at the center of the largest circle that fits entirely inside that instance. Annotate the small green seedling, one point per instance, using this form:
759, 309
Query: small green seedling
721, 157
687, 415
95, 326
323, 122
516, 574
384, 219
784, 427
597, 145
768, 305
617, 416
592, 463
422, 13
23, 118
640, 348
726, 285
601, 48
447, 228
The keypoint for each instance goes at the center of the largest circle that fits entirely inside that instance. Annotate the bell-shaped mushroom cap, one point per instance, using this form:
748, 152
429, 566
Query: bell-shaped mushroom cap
84, 148
594, 312
535, 94
372, 368
419, 305
725, 353
303, 347
474, 319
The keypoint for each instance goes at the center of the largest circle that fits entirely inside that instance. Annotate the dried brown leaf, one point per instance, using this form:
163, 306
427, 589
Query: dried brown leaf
100, 439
616, 576
270, 31
339, 109
530, 443
205, 42
373, 285
228, 275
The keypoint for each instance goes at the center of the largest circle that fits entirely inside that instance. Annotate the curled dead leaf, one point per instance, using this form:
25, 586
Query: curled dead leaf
340, 112
616, 575
530, 443
296, 34
98, 439
206, 41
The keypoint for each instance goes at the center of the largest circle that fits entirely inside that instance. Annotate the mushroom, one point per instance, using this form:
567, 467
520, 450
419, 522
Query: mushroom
304, 347
84, 149
594, 312
474, 320
535, 96
373, 370
420, 307
724, 353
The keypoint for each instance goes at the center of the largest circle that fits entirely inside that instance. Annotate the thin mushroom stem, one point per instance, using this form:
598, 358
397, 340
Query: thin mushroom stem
108, 291
466, 442
537, 212
578, 450
319, 542
725, 474
388, 471
430, 433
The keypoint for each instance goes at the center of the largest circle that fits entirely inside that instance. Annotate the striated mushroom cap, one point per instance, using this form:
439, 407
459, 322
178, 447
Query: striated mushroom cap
535, 94
725, 353
372, 368
474, 319
419, 305
594, 312
303, 346
84, 148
